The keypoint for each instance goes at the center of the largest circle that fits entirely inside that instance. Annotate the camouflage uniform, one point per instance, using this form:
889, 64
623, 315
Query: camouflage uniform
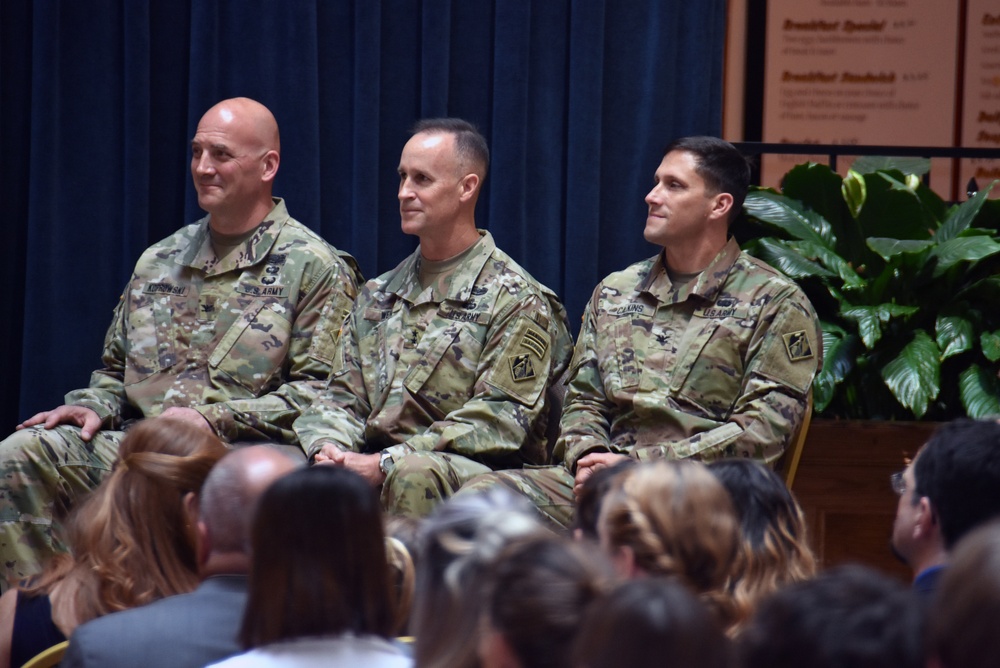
246, 340
449, 380
719, 367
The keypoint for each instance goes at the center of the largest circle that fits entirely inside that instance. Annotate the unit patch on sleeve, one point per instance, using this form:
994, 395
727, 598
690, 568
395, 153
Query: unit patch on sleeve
521, 368
797, 346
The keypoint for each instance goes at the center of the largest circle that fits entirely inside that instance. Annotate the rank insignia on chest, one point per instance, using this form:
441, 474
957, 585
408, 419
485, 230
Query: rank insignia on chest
521, 367
797, 346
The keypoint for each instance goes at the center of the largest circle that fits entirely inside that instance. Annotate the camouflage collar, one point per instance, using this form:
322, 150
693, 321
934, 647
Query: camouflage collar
711, 280
201, 256
404, 282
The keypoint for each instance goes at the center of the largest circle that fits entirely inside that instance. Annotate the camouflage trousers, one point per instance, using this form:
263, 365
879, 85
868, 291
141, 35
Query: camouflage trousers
550, 488
419, 481
44, 472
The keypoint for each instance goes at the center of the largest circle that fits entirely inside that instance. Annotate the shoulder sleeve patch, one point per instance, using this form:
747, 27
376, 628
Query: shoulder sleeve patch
523, 368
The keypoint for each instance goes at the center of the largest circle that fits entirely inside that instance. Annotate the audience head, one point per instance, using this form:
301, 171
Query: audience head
720, 164
650, 623
130, 539
773, 549
319, 560
401, 544
674, 518
229, 497
588, 503
458, 545
962, 632
847, 616
958, 470
534, 604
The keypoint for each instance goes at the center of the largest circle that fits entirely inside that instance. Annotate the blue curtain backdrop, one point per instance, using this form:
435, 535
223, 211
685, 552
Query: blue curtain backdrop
99, 99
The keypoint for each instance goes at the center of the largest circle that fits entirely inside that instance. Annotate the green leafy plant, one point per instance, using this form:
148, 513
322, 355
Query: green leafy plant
907, 288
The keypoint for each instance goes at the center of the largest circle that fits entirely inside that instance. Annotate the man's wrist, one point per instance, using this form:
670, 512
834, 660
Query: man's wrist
386, 462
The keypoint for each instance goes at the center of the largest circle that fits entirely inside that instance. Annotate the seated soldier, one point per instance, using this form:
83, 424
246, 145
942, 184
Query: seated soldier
229, 324
700, 351
445, 360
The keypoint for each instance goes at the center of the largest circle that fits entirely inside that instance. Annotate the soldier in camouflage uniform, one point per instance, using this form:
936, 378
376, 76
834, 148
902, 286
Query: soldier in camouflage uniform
444, 361
230, 324
701, 351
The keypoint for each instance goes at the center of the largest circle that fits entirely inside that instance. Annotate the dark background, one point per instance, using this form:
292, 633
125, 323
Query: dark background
99, 100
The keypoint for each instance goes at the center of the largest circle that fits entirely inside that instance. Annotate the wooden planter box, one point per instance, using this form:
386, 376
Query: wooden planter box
843, 486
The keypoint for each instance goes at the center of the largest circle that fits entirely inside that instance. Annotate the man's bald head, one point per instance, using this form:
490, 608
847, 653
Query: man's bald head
229, 495
253, 121
235, 154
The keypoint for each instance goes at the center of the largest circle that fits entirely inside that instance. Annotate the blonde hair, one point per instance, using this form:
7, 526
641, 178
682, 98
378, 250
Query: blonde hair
678, 521
773, 550
130, 541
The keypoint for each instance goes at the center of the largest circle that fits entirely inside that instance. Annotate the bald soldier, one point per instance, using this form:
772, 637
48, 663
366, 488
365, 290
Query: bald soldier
699, 352
230, 324
444, 361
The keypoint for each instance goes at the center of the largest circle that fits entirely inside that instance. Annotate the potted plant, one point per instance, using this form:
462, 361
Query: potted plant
907, 289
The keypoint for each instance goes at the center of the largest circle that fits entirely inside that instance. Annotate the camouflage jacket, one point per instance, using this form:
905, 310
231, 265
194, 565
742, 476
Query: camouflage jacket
462, 370
246, 340
719, 367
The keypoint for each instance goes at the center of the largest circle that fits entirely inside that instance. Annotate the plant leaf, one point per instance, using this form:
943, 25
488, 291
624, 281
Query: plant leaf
855, 192
960, 217
888, 248
787, 215
962, 249
914, 376
980, 392
831, 261
954, 334
786, 259
838, 361
894, 210
990, 341
871, 318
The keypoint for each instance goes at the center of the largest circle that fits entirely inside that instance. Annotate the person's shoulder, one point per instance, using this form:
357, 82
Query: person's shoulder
295, 237
631, 276
502, 268
751, 270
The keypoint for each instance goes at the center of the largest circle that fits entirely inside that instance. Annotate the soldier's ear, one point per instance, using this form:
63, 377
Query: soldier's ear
270, 161
721, 204
468, 187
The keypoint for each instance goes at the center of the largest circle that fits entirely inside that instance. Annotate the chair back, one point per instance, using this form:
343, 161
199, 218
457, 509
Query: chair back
49, 657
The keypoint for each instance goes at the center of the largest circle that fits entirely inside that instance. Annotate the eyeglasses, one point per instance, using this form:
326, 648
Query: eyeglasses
897, 483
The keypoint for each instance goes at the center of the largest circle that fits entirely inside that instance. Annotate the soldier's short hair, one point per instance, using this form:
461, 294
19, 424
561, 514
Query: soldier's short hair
720, 164
470, 145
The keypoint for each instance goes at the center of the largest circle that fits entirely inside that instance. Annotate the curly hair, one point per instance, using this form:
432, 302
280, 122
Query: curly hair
773, 550
678, 521
130, 540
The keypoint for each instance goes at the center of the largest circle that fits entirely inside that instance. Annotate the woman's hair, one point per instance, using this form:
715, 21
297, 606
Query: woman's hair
319, 560
130, 540
677, 520
773, 550
537, 593
650, 623
458, 544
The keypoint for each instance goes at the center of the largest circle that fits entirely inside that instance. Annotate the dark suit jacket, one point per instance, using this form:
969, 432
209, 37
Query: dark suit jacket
186, 630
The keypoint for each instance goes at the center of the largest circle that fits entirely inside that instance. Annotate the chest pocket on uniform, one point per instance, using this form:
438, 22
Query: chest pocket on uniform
254, 347
151, 338
709, 370
451, 358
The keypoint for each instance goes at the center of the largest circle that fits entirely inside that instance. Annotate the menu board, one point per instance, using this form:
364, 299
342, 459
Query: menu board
861, 72
981, 93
